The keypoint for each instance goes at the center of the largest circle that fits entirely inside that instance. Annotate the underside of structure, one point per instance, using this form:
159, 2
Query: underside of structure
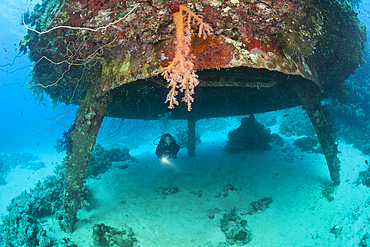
268, 91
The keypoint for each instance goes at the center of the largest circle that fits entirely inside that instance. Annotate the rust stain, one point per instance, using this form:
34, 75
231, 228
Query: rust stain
265, 46
213, 52
198, 44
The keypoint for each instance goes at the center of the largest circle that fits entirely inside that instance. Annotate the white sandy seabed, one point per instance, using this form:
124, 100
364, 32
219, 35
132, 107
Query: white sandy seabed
298, 216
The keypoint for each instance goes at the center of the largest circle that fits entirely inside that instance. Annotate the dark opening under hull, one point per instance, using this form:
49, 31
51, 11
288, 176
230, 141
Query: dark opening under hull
221, 93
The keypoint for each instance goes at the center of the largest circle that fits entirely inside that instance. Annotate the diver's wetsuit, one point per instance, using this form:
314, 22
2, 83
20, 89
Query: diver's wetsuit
168, 150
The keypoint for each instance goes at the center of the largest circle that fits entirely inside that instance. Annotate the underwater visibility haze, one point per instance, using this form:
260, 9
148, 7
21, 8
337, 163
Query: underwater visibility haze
184, 123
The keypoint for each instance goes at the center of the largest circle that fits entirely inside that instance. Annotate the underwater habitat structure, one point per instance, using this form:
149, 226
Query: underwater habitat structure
194, 59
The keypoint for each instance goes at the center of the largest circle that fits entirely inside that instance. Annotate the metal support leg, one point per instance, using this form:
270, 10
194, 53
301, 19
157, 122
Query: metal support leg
323, 123
89, 117
324, 127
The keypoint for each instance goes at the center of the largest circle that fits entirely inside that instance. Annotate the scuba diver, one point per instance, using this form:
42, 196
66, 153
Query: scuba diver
167, 147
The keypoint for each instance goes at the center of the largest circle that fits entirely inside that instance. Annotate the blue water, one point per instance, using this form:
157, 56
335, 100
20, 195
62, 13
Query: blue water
24, 122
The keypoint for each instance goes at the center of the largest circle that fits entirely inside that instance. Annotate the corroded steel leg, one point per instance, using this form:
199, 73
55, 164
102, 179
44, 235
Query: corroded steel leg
191, 137
324, 127
323, 123
89, 117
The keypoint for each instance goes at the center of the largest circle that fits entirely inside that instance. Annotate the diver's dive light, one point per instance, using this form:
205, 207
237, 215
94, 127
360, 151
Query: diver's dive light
164, 159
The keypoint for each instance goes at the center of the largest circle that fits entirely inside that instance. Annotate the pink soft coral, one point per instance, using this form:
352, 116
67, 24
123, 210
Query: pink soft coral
181, 73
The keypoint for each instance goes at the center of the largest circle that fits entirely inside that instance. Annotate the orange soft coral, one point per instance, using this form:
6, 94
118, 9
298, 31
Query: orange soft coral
181, 73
